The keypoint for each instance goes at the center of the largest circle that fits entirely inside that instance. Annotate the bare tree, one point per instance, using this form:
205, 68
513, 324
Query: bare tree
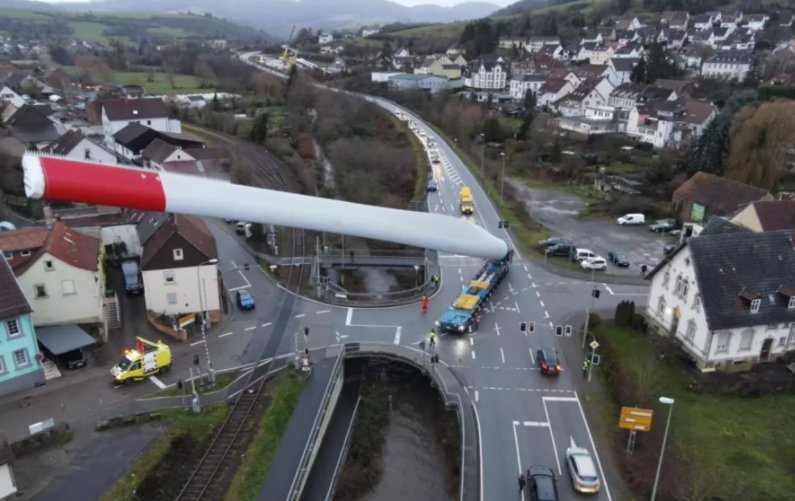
780, 63
242, 171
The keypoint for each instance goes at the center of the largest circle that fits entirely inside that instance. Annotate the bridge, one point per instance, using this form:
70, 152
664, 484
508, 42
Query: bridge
359, 259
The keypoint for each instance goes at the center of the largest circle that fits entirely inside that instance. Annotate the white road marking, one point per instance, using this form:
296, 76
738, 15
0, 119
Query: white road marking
518, 457
473, 354
197, 343
593, 446
397, 336
451, 207
321, 312
525, 267
542, 304
497, 328
561, 399
551, 325
546, 315
239, 288
250, 328
301, 315
471, 341
609, 290
538, 294
477, 396
233, 263
443, 210
157, 382
502, 354
517, 307
459, 271
265, 325
552, 435
350, 315
248, 284
534, 423
534, 285
226, 334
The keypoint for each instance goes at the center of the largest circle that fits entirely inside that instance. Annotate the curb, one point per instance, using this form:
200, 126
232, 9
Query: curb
604, 279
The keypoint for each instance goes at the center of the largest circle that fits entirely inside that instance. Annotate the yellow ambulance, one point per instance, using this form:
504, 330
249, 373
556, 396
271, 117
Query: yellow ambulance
148, 358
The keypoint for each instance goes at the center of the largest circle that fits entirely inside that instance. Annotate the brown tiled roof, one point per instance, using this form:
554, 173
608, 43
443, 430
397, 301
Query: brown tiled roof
192, 229
552, 86
158, 150
696, 112
23, 239
135, 109
71, 247
12, 300
775, 214
718, 194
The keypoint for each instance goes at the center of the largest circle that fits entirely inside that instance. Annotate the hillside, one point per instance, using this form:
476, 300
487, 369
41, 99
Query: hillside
278, 16
39, 23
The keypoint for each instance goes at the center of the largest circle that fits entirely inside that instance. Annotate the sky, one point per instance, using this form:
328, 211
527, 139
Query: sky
409, 3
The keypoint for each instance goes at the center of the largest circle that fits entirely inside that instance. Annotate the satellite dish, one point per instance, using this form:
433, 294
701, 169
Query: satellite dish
6, 226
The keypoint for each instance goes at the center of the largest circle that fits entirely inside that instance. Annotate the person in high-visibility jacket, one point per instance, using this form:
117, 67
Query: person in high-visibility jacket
433, 338
585, 368
424, 304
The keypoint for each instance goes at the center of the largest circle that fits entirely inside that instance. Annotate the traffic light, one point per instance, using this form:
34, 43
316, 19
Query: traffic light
504, 225
532, 326
568, 330
596, 293
306, 331
559, 330
179, 384
196, 360
523, 326
245, 266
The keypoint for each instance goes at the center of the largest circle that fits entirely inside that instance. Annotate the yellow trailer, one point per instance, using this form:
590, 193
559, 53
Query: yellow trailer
466, 203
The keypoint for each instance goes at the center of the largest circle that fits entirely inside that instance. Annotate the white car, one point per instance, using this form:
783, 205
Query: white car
594, 263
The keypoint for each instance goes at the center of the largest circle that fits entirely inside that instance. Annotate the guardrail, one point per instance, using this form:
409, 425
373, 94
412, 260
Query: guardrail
313, 443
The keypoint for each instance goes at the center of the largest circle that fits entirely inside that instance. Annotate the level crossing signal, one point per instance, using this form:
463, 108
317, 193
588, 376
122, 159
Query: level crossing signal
559, 330
245, 266
523, 326
532, 326
505, 225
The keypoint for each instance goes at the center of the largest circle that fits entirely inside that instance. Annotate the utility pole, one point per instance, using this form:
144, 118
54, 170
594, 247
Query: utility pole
483, 155
202, 305
502, 177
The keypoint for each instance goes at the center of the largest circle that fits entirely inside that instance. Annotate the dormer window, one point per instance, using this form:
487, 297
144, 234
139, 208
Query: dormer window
25, 253
791, 304
178, 256
755, 304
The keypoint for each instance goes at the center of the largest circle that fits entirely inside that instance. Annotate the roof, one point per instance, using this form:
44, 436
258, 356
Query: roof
31, 238
134, 133
697, 112
580, 93
652, 92
732, 57
552, 86
757, 265
158, 150
717, 225
701, 19
529, 77
718, 194
28, 115
149, 224
12, 300
628, 90
14, 79
775, 214
71, 247
191, 228
624, 64
66, 143
135, 109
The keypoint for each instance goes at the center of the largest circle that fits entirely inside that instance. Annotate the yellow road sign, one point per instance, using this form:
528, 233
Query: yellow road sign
634, 411
635, 419
635, 427
187, 320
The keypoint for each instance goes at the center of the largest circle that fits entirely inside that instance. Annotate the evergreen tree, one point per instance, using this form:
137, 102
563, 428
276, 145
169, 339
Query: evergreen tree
556, 153
216, 106
638, 74
259, 130
530, 99
468, 34
524, 128
291, 77
624, 5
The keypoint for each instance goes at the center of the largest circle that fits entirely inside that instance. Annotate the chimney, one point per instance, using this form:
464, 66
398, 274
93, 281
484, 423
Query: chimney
48, 216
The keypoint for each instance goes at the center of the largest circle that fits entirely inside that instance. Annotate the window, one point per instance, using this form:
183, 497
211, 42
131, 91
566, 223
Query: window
723, 342
8, 255
691, 330
49, 266
178, 256
791, 304
781, 341
148, 122
697, 302
68, 287
2, 365
746, 340
685, 288
12, 328
25, 253
40, 291
679, 284
755, 304
21, 358
171, 297
169, 277
661, 306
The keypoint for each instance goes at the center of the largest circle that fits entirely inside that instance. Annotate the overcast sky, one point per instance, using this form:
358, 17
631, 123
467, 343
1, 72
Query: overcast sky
446, 3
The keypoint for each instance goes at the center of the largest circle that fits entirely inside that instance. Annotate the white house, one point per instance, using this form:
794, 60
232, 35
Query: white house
593, 37
703, 22
406, 81
325, 38
726, 311
535, 44
520, 84
179, 268
728, 65
552, 91
511, 42
75, 145
595, 120
368, 33
150, 112
159, 152
490, 76
623, 68
60, 271
7, 95
586, 51
757, 22
601, 54
731, 20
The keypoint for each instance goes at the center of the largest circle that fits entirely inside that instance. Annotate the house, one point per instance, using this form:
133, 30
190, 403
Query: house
151, 112
406, 81
703, 22
535, 44
623, 68
607, 32
220, 44
705, 195
630, 50
436, 67
454, 50
601, 54
691, 57
681, 87
325, 38
61, 272
520, 84
596, 71
552, 91
595, 120
757, 22
10, 103
566, 74
23, 82
368, 33
728, 65
784, 18
179, 268
75, 145
731, 19
336, 66
592, 38
512, 42
586, 51
625, 97
19, 351
159, 152
403, 63
633, 24
587, 94
625, 37
742, 40
32, 127
675, 19
769, 215
653, 94
727, 311
720, 35
489, 76
674, 38
57, 78
403, 52
706, 37
554, 51
195, 102
131, 141
652, 124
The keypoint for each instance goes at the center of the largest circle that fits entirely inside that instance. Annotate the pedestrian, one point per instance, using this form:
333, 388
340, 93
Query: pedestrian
424, 304
585, 369
433, 338
643, 270
477, 321
351, 256
522, 482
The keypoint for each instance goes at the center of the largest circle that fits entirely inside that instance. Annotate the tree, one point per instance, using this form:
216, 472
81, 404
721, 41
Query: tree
242, 171
760, 140
291, 77
556, 153
638, 74
493, 130
524, 128
624, 5
216, 106
61, 56
259, 130
530, 99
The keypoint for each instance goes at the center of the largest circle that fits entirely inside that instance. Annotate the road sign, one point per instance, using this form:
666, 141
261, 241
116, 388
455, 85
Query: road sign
635, 419
568, 331
187, 320
594, 345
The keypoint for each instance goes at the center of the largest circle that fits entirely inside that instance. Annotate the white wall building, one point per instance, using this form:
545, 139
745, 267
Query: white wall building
520, 84
75, 145
151, 112
490, 76
728, 65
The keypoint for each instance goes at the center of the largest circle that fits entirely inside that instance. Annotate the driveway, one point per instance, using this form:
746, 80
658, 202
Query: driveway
559, 212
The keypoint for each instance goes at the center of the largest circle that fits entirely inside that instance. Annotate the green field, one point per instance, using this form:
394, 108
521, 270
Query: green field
185, 84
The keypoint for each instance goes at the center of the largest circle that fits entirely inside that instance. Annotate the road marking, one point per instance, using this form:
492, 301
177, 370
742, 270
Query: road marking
542, 304
250, 328
471, 341
321, 312
510, 288
561, 399
233, 263
551, 325
226, 334
473, 354
265, 325
239, 288
300, 316
502, 354
248, 284
534, 423
552, 435
593, 445
538, 294
197, 343
462, 279
443, 210
497, 328
157, 382
525, 267
532, 360
609, 290
518, 457
397, 335
350, 315
459, 271
546, 315
451, 207
534, 285
477, 396
517, 307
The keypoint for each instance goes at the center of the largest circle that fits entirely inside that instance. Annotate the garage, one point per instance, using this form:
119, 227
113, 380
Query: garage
60, 339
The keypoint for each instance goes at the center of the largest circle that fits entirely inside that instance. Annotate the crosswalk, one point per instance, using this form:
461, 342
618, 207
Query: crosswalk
452, 175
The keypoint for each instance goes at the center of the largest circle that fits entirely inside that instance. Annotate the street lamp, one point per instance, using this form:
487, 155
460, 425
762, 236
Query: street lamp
502, 175
670, 402
483, 154
202, 304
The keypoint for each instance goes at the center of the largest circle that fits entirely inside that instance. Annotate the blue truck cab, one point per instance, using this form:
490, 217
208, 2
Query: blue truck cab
461, 314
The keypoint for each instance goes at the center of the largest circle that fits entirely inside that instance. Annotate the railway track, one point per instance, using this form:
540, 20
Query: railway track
227, 444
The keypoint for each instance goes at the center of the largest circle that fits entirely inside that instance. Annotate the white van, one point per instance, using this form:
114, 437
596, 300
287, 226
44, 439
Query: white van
578, 255
631, 219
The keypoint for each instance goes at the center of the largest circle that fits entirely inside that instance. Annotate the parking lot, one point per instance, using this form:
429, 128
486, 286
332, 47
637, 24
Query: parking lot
559, 212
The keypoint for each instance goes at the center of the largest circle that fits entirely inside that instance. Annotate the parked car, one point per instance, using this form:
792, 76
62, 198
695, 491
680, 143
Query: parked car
74, 359
542, 484
578, 255
229, 221
669, 249
432, 185
562, 249
241, 227
618, 259
132, 277
664, 226
551, 241
244, 300
582, 470
548, 361
631, 219
594, 263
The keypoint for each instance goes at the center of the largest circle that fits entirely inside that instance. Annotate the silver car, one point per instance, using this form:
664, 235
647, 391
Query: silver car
582, 470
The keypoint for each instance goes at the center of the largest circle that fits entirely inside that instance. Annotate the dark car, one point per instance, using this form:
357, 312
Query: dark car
559, 250
431, 185
542, 484
663, 226
244, 300
547, 359
551, 241
74, 359
618, 258
669, 249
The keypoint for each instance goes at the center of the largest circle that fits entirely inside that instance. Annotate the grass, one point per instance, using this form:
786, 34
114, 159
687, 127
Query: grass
221, 381
744, 443
177, 422
27, 15
258, 457
92, 32
183, 84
